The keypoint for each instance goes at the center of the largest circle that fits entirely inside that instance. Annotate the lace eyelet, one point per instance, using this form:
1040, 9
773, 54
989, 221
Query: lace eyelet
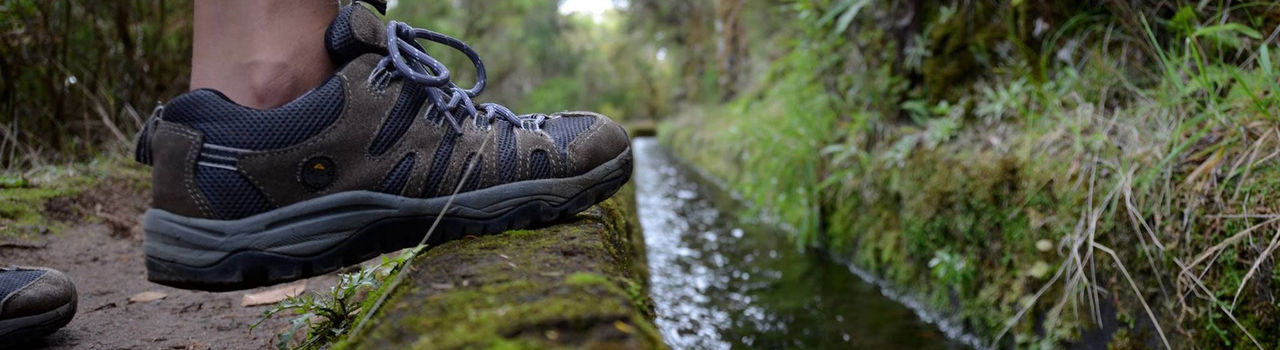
407, 60
378, 84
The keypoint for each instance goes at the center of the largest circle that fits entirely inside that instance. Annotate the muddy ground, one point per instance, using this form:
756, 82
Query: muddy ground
100, 247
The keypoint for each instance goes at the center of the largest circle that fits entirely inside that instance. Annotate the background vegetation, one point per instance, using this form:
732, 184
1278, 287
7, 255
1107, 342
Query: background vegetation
1038, 169
77, 78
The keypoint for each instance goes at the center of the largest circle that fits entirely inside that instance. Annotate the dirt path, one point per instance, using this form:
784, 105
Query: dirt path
104, 257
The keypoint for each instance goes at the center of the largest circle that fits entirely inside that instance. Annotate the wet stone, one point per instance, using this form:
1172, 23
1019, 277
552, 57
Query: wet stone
519, 290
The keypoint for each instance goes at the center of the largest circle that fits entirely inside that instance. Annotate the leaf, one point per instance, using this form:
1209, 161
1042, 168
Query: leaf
274, 295
623, 327
849, 15
1204, 168
1039, 270
13, 182
1264, 59
147, 297
1185, 19
846, 11
1044, 245
1226, 33
839, 8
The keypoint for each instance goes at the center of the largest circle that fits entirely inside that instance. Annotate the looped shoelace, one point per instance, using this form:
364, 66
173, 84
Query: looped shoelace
410, 60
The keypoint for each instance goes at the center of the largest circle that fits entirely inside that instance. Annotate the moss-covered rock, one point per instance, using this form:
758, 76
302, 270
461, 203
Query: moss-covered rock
41, 201
581, 283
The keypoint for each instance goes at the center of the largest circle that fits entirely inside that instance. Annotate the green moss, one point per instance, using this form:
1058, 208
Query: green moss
586, 279
25, 211
570, 285
24, 206
961, 49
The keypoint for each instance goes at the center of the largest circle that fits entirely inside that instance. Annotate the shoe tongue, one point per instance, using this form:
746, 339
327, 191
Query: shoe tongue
355, 32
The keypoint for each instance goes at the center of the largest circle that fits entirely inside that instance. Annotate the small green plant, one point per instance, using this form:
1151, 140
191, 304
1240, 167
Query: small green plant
951, 268
327, 317
999, 102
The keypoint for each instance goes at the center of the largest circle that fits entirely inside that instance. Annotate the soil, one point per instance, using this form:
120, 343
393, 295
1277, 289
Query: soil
100, 248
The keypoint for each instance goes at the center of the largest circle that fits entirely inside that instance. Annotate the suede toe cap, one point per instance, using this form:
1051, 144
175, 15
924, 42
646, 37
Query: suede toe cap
603, 141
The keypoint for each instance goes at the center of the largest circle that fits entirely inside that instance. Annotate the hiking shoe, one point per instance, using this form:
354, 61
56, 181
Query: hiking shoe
34, 302
361, 165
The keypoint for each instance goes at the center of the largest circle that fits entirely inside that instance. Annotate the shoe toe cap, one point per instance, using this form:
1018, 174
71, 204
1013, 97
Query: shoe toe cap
602, 141
50, 291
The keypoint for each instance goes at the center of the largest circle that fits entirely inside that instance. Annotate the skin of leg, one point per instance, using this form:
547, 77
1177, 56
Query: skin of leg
261, 53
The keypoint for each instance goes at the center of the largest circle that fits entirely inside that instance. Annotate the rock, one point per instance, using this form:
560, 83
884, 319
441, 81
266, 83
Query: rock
1039, 270
1044, 245
521, 288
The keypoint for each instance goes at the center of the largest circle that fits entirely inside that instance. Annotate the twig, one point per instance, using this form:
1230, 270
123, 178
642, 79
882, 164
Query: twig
1014, 320
1136, 291
20, 245
106, 117
1243, 216
1140, 225
400, 273
1214, 299
1263, 257
1229, 241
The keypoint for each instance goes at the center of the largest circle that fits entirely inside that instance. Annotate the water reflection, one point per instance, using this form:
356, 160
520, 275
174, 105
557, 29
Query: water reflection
721, 283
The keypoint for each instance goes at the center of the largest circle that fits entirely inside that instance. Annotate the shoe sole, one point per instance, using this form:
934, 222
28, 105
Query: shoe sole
324, 234
22, 329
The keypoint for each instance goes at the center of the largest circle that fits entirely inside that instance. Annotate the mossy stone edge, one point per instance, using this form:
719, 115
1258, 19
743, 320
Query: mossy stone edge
578, 284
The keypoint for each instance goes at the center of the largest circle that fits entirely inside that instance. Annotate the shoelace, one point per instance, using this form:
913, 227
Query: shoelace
409, 60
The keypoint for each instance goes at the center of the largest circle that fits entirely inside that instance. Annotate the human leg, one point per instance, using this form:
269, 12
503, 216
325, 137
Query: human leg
261, 53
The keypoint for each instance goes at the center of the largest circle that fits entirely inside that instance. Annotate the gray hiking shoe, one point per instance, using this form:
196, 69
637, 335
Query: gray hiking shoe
360, 166
34, 302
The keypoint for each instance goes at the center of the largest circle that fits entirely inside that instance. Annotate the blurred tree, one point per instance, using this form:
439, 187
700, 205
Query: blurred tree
540, 60
685, 28
732, 47
519, 40
78, 75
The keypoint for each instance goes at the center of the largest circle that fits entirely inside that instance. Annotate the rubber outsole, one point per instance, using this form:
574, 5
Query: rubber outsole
21, 330
249, 268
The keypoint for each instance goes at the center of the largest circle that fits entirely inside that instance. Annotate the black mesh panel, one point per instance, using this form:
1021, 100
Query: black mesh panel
230, 194
401, 117
11, 281
226, 123
341, 42
539, 165
564, 129
475, 177
507, 153
439, 163
395, 180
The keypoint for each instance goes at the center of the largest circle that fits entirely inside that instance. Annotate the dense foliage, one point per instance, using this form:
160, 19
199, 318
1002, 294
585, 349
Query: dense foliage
79, 77
1028, 166
542, 61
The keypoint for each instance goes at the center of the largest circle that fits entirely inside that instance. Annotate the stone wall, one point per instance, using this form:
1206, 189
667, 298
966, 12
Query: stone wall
578, 284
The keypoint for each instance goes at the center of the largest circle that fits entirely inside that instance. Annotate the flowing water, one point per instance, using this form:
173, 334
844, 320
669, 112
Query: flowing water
722, 282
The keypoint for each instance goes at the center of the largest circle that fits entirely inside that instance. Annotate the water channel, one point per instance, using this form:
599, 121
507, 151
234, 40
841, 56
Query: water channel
720, 281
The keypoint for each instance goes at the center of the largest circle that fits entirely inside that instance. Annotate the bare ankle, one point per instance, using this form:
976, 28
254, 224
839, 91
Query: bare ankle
264, 83
261, 53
